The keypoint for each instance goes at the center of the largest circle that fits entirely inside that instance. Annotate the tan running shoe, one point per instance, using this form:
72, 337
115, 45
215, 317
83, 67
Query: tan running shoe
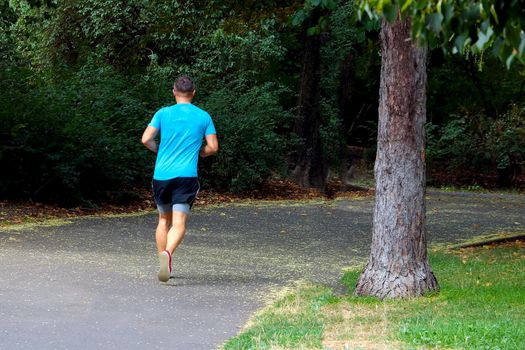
165, 266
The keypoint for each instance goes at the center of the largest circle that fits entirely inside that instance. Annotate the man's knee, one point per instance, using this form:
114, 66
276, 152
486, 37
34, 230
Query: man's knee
165, 219
179, 219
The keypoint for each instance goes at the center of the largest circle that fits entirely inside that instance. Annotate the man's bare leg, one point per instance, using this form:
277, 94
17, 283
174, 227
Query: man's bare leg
161, 236
170, 233
177, 231
163, 227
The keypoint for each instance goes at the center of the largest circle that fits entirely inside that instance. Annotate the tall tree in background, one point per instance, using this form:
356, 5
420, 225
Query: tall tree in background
398, 264
310, 165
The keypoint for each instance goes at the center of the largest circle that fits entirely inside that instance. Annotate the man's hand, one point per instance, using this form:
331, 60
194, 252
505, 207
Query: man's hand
212, 146
148, 139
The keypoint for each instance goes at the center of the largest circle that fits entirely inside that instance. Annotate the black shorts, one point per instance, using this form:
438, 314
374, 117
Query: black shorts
180, 190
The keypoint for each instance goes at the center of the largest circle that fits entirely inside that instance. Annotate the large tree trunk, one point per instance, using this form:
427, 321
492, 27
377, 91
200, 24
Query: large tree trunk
398, 265
310, 165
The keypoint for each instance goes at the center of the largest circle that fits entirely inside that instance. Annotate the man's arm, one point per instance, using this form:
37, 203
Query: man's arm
148, 139
212, 146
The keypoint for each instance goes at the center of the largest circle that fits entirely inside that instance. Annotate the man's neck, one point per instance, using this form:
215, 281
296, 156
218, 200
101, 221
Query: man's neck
183, 100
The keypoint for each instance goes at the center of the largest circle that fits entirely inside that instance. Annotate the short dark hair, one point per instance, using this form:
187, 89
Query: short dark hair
184, 84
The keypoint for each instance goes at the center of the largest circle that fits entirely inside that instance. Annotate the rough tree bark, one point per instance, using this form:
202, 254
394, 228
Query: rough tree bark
398, 265
310, 166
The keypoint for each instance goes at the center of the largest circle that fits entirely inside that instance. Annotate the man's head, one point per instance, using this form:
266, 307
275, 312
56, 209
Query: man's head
184, 87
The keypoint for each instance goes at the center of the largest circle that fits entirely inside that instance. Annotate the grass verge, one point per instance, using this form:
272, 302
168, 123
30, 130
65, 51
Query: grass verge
481, 305
293, 321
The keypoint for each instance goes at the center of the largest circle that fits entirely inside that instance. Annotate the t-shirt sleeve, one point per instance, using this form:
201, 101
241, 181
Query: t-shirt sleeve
210, 128
155, 121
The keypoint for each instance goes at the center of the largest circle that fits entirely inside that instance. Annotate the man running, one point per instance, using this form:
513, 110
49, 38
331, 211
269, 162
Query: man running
182, 128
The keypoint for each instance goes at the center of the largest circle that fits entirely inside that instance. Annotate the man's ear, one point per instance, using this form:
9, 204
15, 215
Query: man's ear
193, 93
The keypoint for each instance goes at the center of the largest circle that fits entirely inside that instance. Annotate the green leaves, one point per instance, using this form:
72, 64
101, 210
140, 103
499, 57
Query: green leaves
324, 6
447, 10
390, 12
521, 47
299, 17
248, 117
434, 21
458, 25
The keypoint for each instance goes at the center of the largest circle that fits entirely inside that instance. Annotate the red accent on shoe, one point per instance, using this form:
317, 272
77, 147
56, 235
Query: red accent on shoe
169, 260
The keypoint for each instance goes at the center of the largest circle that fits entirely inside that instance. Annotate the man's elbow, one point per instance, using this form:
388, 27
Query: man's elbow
145, 140
214, 149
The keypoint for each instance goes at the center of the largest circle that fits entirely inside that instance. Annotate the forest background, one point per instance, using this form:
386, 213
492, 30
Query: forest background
80, 80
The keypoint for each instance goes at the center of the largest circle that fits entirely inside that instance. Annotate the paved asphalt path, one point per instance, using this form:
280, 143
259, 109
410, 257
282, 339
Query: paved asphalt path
91, 284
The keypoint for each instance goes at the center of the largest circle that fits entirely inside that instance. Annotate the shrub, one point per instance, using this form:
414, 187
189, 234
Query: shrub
506, 144
475, 144
70, 141
251, 127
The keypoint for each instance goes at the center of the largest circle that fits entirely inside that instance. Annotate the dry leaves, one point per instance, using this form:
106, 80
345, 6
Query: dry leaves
21, 212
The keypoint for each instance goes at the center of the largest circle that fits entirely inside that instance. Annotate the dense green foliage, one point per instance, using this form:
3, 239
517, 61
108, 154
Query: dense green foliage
476, 131
250, 119
79, 80
473, 147
71, 138
83, 78
459, 25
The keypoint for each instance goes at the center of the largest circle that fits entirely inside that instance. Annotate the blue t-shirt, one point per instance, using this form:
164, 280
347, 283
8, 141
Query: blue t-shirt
182, 128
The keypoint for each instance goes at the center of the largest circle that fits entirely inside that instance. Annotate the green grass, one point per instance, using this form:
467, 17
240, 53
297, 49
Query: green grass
293, 321
481, 305
475, 189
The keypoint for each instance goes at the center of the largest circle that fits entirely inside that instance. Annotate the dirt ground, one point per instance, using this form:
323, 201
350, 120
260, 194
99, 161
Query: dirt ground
22, 212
